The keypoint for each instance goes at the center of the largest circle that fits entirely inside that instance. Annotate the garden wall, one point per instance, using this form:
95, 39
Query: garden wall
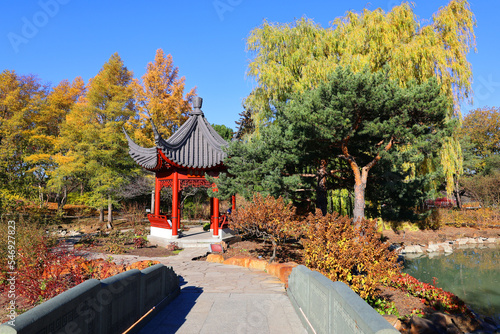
111, 305
332, 307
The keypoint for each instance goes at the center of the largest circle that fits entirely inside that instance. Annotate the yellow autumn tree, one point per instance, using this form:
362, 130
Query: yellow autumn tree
159, 96
44, 134
21, 101
482, 125
93, 150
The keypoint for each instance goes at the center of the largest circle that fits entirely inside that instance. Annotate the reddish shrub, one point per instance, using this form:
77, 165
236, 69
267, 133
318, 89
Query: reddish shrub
266, 217
43, 273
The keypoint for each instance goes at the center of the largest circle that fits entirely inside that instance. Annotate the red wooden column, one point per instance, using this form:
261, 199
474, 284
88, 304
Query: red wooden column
212, 213
233, 200
175, 204
216, 217
157, 196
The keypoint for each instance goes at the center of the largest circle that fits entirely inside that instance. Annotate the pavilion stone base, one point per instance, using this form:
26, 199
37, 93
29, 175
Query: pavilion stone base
195, 237
162, 233
223, 233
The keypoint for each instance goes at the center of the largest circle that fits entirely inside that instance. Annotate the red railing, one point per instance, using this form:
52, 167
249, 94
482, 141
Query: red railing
223, 221
162, 221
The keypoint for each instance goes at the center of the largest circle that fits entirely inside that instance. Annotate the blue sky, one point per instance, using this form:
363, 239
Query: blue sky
63, 39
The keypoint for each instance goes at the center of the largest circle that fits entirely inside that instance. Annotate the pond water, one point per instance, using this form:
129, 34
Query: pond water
472, 274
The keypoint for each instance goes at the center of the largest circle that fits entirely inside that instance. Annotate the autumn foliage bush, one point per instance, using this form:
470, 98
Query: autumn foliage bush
482, 217
39, 263
266, 217
350, 253
44, 268
44, 272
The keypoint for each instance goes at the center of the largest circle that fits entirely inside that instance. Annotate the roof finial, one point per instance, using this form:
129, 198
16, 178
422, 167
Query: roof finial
197, 102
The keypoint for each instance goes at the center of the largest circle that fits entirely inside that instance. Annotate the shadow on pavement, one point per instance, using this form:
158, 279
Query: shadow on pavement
173, 316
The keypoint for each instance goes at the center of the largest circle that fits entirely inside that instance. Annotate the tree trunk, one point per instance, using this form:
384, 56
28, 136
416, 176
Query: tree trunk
40, 195
321, 191
101, 215
110, 213
456, 192
61, 200
359, 194
359, 202
360, 179
275, 245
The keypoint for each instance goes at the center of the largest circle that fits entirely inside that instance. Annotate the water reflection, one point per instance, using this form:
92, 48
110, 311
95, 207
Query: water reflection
471, 274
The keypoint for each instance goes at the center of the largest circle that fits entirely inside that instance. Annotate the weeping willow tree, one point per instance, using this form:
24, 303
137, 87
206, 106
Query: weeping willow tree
341, 201
291, 58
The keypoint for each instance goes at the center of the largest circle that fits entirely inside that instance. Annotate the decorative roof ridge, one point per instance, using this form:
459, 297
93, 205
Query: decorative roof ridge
134, 145
179, 138
213, 136
156, 132
146, 157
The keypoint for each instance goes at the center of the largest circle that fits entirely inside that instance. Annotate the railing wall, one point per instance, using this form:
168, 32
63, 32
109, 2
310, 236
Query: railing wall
332, 307
111, 305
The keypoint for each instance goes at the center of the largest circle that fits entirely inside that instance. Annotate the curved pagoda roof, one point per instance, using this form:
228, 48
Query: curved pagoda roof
194, 145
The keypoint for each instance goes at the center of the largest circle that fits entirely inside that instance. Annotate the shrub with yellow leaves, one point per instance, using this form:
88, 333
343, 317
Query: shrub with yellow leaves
350, 253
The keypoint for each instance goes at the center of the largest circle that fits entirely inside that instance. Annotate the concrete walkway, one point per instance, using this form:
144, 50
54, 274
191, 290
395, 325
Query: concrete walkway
218, 298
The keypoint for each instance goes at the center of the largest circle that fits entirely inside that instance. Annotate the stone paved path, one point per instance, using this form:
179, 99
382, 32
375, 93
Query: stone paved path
217, 298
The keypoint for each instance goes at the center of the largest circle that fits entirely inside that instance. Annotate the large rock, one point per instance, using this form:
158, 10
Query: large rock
423, 326
394, 321
217, 258
258, 264
432, 248
281, 270
412, 249
444, 322
447, 248
238, 260
435, 323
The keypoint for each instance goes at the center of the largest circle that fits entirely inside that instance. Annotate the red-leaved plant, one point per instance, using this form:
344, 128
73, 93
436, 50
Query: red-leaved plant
435, 297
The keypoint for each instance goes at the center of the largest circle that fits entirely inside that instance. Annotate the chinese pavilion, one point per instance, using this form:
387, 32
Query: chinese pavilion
181, 161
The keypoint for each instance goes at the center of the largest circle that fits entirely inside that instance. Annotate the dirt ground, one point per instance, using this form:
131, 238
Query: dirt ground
148, 251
